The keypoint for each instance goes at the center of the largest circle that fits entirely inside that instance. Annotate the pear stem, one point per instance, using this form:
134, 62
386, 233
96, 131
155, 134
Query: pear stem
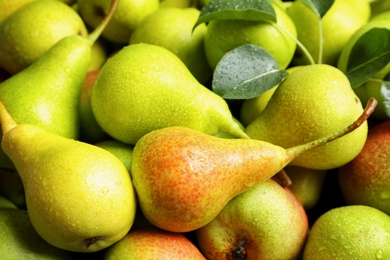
6, 121
295, 151
93, 36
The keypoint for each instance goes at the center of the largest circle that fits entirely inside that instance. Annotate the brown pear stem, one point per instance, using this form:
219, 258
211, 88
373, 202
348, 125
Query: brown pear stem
297, 150
6, 121
282, 179
93, 36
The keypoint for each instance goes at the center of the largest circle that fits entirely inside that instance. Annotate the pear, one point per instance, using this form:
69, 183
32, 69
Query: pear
127, 17
252, 224
8, 7
349, 232
149, 243
79, 197
144, 87
306, 184
172, 28
296, 112
183, 178
46, 94
365, 180
19, 240
124, 152
6, 203
33, 29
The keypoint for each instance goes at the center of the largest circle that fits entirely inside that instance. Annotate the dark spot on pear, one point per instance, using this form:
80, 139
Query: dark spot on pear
99, 11
90, 241
239, 252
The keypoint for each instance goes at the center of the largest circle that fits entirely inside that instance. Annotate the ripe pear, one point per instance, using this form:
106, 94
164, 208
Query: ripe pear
19, 240
338, 24
172, 28
149, 243
349, 232
144, 87
177, 3
365, 180
30, 31
305, 108
8, 7
46, 94
306, 184
225, 35
127, 16
184, 178
79, 197
252, 224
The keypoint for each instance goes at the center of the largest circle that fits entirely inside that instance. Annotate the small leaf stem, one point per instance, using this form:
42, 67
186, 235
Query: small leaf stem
299, 44
93, 36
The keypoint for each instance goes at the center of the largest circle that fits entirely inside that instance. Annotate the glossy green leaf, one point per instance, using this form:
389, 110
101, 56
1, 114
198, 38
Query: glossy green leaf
246, 72
320, 7
385, 94
251, 10
369, 55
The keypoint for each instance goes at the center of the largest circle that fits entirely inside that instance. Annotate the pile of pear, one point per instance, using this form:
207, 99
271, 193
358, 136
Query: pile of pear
114, 144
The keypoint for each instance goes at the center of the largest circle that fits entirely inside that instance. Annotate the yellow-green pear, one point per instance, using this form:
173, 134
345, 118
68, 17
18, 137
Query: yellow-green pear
6, 203
8, 7
177, 3
172, 28
349, 232
225, 35
124, 152
311, 102
29, 32
19, 240
338, 24
79, 196
145, 87
126, 18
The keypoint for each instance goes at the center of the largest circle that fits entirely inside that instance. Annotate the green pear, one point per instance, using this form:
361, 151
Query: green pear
365, 180
338, 24
349, 232
264, 222
306, 184
6, 203
127, 17
19, 240
33, 29
8, 7
305, 108
225, 35
144, 87
183, 178
79, 196
90, 130
11, 188
124, 152
172, 28
149, 243
177, 3
47, 93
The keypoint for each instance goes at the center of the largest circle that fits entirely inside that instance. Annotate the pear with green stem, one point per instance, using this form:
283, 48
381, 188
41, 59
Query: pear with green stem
79, 196
46, 94
183, 178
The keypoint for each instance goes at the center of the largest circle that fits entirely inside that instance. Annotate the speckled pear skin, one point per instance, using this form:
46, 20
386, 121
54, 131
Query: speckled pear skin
79, 196
144, 87
183, 178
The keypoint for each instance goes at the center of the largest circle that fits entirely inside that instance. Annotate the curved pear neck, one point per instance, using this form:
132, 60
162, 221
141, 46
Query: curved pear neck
7, 122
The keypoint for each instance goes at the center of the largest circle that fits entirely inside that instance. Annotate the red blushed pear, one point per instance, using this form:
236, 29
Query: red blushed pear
366, 179
265, 222
184, 178
153, 243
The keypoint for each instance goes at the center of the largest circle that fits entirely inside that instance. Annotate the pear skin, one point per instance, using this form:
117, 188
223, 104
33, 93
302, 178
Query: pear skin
183, 178
79, 197
145, 87
151, 243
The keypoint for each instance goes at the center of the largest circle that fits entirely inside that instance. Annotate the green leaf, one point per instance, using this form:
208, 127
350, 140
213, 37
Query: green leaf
368, 56
251, 10
246, 72
319, 7
385, 94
